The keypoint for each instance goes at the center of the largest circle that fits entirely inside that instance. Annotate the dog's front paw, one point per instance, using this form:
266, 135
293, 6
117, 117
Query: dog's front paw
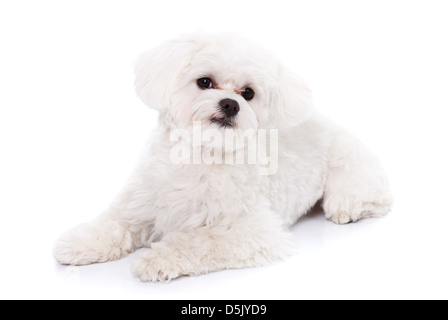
87, 244
70, 249
155, 265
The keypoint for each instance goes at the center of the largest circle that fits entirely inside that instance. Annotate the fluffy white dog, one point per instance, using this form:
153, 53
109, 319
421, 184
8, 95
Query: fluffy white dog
195, 215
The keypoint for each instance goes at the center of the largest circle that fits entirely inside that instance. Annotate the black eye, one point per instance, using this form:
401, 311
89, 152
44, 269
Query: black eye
248, 94
205, 83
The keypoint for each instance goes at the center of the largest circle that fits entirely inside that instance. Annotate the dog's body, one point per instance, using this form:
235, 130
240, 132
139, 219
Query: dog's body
198, 218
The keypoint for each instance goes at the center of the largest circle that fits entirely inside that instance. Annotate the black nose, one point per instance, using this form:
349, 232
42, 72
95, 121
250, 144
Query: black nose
229, 106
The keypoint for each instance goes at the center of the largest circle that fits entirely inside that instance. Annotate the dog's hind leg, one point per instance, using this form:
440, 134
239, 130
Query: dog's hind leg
357, 186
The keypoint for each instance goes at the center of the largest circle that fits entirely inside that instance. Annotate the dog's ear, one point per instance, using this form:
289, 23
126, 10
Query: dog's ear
157, 71
291, 100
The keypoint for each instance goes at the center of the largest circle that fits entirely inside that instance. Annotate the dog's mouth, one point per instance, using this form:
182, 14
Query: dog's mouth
223, 122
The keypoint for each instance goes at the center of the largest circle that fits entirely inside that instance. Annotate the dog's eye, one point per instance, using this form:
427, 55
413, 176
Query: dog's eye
248, 94
205, 83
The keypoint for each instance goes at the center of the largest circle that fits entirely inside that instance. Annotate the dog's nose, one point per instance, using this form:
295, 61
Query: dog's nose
230, 107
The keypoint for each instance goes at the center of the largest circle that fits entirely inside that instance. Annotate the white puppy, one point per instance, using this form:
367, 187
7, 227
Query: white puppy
195, 207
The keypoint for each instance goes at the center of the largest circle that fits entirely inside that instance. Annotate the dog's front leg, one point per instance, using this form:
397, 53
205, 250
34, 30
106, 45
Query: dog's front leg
245, 242
112, 236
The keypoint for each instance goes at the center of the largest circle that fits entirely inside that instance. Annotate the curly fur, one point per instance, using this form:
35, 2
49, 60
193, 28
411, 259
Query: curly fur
199, 218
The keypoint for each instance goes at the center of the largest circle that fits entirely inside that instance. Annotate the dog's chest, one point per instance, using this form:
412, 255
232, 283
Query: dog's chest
198, 196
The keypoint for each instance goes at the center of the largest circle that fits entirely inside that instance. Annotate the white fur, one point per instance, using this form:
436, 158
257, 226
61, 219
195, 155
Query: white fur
195, 219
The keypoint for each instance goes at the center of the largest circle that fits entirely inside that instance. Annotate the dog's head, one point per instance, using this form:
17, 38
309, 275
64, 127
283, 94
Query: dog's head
223, 82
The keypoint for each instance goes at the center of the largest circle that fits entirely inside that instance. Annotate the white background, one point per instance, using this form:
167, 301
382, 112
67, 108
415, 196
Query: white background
71, 129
